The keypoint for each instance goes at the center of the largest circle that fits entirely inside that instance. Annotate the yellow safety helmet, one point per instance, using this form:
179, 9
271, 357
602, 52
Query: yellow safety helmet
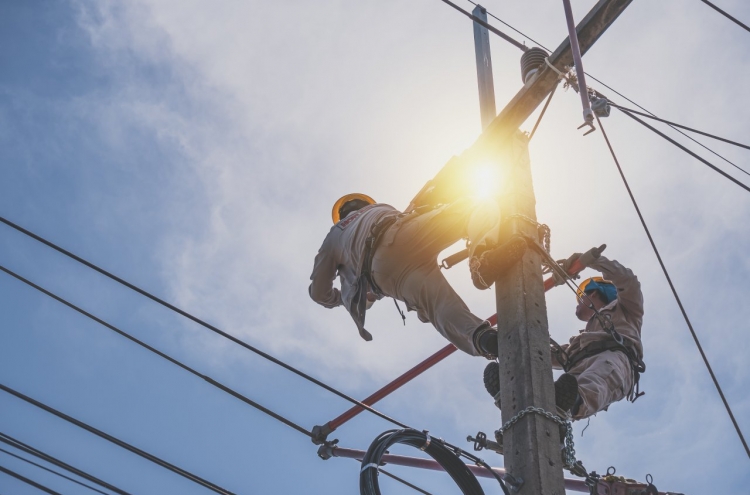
604, 286
345, 199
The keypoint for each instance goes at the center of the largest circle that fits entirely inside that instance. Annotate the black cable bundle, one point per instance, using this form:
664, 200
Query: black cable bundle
435, 448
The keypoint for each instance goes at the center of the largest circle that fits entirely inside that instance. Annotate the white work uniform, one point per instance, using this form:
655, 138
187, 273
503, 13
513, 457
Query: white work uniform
404, 265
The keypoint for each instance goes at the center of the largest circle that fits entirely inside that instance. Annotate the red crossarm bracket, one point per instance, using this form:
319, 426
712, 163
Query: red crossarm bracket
320, 433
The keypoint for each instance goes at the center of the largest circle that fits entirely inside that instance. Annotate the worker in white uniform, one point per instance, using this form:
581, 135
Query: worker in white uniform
377, 251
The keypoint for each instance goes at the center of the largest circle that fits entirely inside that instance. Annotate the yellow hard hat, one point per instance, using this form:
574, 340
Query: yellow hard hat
345, 199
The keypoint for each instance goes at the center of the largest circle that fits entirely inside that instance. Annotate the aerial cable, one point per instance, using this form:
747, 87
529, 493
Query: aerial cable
672, 124
479, 21
676, 129
52, 471
117, 441
674, 292
717, 9
28, 481
511, 27
201, 322
686, 150
618, 93
187, 368
17, 444
400, 480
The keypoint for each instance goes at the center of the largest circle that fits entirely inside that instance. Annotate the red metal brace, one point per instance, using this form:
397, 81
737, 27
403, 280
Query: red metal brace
320, 433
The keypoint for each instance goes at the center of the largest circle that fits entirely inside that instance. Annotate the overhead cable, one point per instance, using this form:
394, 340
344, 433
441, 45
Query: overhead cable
686, 150
675, 128
725, 14
52, 471
514, 29
653, 117
17, 444
201, 322
479, 21
674, 292
187, 368
28, 481
117, 441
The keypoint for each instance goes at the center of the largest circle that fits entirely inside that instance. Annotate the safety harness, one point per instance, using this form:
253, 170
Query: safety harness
637, 366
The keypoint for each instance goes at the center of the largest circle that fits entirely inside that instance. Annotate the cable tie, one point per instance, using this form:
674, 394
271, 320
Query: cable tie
368, 466
426, 444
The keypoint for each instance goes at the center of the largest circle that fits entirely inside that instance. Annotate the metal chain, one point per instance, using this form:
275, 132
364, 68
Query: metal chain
569, 452
544, 228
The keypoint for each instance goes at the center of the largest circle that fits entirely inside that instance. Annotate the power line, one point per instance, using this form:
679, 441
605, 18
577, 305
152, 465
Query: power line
52, 471
28, 481
479, 21
7, 439
187, 368
686, 150
117, 441
674, 292
717, 9
676, 129
200, 322
653, 117
511, 27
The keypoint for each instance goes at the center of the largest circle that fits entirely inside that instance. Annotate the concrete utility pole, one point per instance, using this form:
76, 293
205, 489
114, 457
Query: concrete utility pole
531, 446
484, 69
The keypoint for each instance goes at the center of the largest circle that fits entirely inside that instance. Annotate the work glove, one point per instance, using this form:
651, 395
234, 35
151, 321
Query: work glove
565, 265
585, 260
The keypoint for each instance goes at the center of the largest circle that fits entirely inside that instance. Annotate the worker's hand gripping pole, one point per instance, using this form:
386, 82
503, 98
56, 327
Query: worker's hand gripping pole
321, 432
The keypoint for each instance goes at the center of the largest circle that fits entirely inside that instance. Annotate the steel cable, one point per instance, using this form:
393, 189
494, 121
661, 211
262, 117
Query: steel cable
187, 368
117, 441
674, 291
725, 14
17, 444
368, 478
672, 124
201, 322
52, 471
685, 149
28, 481
479, 21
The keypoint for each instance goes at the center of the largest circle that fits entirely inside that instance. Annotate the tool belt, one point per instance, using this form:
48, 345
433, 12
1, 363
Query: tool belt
637, 366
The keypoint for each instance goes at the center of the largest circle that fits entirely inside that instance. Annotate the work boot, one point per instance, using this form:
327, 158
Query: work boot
566, 392
492, 381
490, 265
485, 340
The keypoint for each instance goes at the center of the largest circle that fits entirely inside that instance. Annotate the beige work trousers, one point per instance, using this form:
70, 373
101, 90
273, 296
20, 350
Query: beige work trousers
602, 379
405, 267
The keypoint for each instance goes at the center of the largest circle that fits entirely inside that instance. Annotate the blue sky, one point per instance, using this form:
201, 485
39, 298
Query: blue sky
195, 149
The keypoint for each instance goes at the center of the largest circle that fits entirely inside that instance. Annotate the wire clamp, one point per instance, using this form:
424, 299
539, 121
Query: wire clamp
426, 443
368, 466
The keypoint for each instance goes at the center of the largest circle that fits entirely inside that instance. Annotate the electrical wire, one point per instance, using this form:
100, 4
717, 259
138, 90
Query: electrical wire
511, 27
52, 471
28, 481
201, 322
400, 480
672, 124
685, 149
17, 444
674, 291
187, 368
725, 14
434, 447
117, 441
479, 21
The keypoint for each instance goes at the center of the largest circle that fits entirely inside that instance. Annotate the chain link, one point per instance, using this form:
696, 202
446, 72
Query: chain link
568, 451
